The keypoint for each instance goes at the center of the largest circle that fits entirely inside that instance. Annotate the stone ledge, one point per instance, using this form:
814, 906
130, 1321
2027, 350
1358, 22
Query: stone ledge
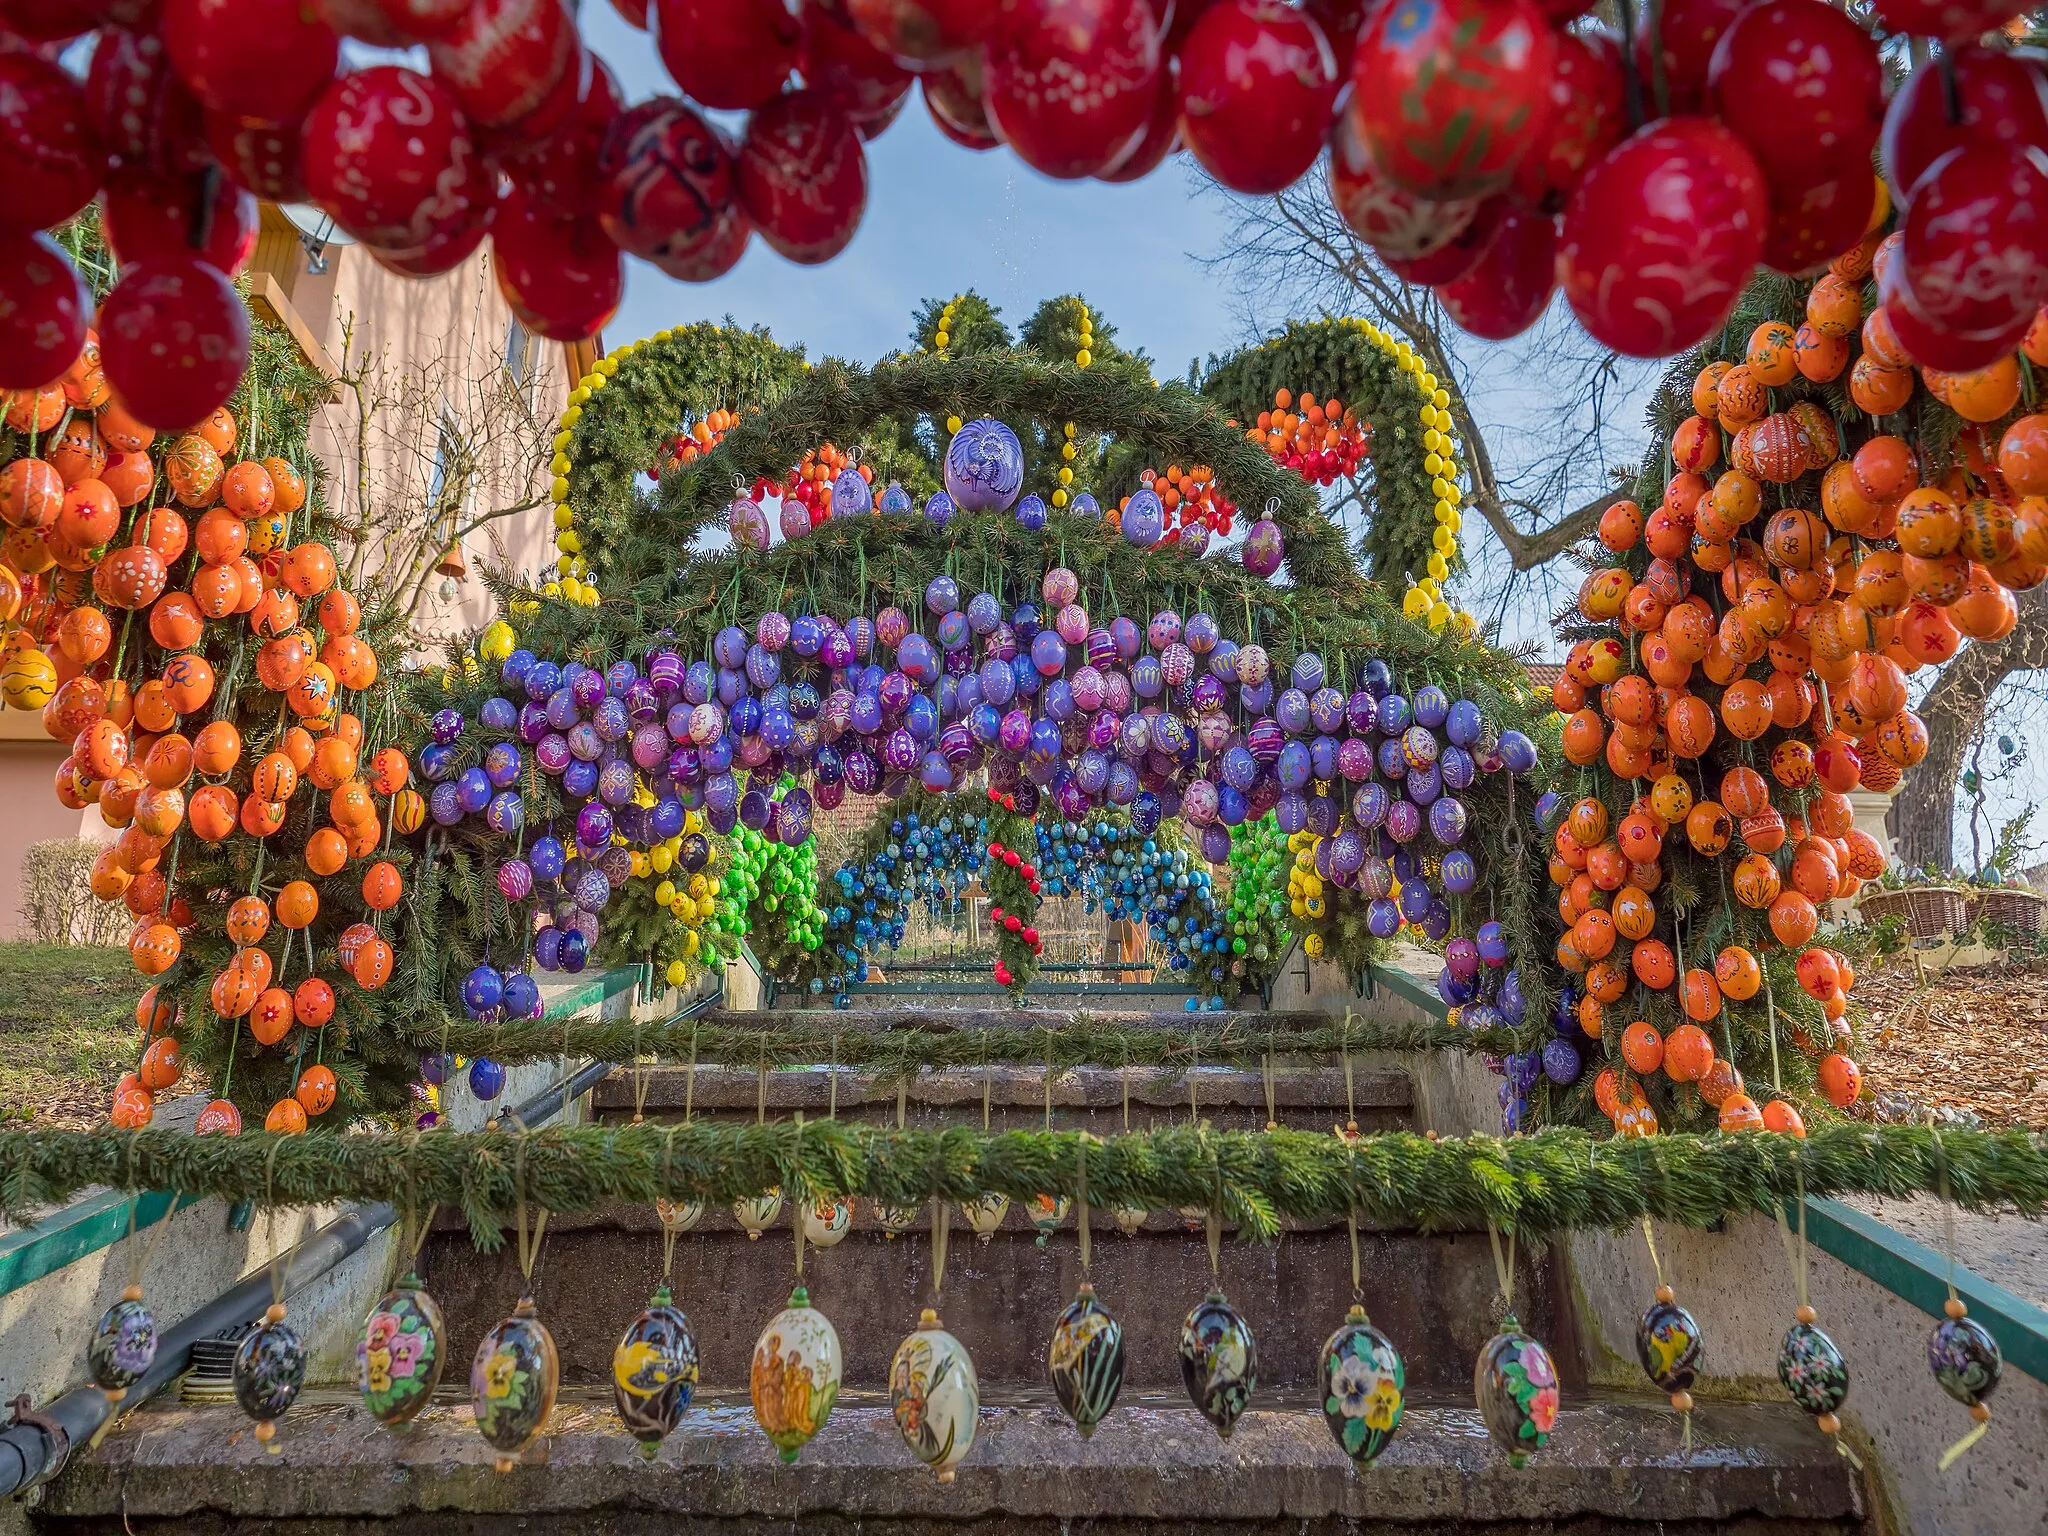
1610, 1466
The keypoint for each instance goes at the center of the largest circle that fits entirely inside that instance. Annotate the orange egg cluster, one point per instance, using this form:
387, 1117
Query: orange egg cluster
811, 485
691, 444
1321, 441
1752, 671
133, 566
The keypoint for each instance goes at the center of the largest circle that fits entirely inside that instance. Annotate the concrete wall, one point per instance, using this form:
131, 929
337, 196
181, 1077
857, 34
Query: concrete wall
190, 1259
1738, 1284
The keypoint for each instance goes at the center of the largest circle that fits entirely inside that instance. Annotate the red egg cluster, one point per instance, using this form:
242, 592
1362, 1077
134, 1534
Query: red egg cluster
1323, 442
1493, 153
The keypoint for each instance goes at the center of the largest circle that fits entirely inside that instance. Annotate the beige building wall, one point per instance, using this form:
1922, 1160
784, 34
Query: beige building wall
441, 347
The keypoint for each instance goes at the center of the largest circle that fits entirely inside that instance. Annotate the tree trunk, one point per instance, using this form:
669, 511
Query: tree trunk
1922, 816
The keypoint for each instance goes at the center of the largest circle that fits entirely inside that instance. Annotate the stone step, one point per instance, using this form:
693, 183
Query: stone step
1097, 1099
1433, 1294
1611, 1467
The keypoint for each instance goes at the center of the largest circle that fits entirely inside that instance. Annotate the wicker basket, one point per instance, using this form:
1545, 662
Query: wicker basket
1929, 911
2015, 909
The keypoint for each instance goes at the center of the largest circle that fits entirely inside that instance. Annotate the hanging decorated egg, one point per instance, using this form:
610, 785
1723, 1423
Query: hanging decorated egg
400, 1355
122, 1345
1143, 518
936, 1396
984, 1214
1813, 1370
513, 1381
1965, 1360
803, 176
1069, 84
174, 340
1661, 235
1264, 548
677, 1216
827, 1221
1364, 1387
757, 1213
984, 467
1086, 1360
1515, 1385
669, 193
1047, 1212
1448, 94
654, 1372
269, 1369
795, 1375
1668, 1345
1219, 1361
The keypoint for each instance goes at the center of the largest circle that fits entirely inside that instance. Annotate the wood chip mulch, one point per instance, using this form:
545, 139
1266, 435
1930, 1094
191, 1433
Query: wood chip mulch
1972, 1042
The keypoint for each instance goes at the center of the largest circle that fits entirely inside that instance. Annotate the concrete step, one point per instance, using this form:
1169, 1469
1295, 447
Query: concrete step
1611, 1467
1433, 1294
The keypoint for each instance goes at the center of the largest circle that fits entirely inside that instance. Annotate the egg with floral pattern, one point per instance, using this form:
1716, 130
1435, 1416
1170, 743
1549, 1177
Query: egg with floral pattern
1364, 1387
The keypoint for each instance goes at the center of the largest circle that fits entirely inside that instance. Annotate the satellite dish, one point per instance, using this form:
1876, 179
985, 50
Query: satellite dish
315, 226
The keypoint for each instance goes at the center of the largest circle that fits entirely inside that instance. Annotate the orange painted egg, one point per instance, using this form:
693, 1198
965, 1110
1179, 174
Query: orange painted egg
308, 569
287, 1117
130, 577
382, 886
1793, 918
372, 966
388, 771
1737, 973
217, 589
212, 813
313, 1002
316, 1089
1652, 962
1841, 1080
1755, 881
282, 663
1741, 398
288, 488
247, 490
276, 613
313, 695
77, 451
340, 613
194, 470
298, 903
1700, 994
326, 851
84, 635
261, 818
270, 1016
1769, 353
248, 920
1688, 1054
218, 429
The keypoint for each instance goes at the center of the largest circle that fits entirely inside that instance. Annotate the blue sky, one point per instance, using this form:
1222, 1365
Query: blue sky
942, 219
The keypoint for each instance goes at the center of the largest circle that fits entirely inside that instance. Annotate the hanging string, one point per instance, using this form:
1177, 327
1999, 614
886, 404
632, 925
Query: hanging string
987, 1084
1681, 1399
640, 1076
802, 1193
1124, 1077
1350, 1083
1267, 1071
1504, 1268
1357, 1271
902, 1101
529, 1247
1795, 1253
1771, 1013
668, 1232
1954, 1308
1194, 1069
689, 1084
1215, 1217
942, 1229
1081, 1195
832, 1082
761, 1085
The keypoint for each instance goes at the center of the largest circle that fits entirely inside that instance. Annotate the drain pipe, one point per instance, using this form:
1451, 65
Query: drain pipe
33, 1448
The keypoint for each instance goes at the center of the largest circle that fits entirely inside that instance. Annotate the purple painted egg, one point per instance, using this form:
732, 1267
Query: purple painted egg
1404, 821
1418, 746
1382, 918
1264, 548
747, 523
1447, 821
984, 468
851, 497
1143, 518
1460, 870
939, 509
1292, 712
1164, 629
515, 880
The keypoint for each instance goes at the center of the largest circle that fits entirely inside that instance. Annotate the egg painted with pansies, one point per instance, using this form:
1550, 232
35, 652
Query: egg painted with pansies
513, 1382
269, 1369
123, 1344
1219, 1361
1364, 1386
400, 1354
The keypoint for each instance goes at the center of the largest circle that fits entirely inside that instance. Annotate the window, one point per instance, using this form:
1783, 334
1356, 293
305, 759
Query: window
519, 351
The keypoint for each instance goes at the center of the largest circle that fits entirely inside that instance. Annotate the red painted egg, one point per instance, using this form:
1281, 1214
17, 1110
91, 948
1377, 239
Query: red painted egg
363, 20
264, 157
445, 248
1069, 84
1973, 260
1449, 94
560, 172
1679, 49
1393, 221
1951, 20
803, 177
421, 20
144, 115
2000, 98
54, 161
44, 309
145, 216
562, 277
1510, 287
174, 339
1588, 112
389, 153
504, 58
921, 33
1810, 227
1943, 350
729, 54
1800, 84
1456, 260
265, 59
1661, 236
669, 189
1162, 134
847, 69
959, 112
1257, 82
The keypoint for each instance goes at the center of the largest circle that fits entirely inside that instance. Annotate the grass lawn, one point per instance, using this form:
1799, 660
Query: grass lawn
67, 1031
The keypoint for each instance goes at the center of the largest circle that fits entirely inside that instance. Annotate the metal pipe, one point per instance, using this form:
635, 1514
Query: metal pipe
35, 1446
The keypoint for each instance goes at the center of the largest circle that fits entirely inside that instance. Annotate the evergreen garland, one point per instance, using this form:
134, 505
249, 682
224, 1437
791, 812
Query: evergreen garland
1554, 1181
